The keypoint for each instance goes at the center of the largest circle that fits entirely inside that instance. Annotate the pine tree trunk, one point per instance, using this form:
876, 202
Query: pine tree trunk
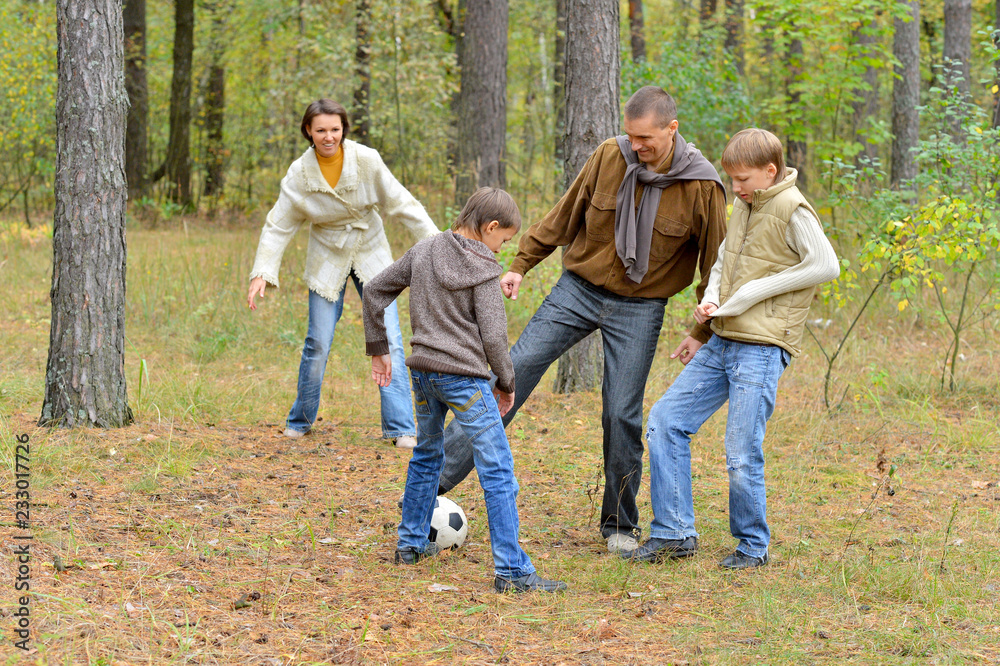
957, 50
559, 88
363, 70
134, 14
85, 375
178, 164
215, 113
734, 34
482, 106
797, 147
906, 95
592, 99
636, 30
865, 104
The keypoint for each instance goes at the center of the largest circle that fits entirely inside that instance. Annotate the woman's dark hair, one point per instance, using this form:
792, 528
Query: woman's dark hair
324, 107
485, 205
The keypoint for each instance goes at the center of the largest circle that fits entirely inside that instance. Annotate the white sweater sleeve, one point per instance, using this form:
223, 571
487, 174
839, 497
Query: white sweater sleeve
400, 206
715, 277
819, 264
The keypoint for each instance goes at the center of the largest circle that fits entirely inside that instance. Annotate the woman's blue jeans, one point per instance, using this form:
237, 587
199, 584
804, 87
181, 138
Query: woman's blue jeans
397, 405
747, 376
471, 400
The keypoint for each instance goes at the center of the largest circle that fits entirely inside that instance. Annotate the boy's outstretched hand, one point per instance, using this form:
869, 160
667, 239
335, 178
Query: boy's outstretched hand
703, 312
504, 401
382, 370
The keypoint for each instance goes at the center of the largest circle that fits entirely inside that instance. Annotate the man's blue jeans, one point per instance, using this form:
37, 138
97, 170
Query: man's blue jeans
630, 328
476, 414
397, 405
747, 376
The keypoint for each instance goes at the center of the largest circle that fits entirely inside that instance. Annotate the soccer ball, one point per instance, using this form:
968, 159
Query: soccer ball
449, 526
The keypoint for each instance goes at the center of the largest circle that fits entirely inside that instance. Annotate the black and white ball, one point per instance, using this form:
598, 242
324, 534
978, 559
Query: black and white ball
449, 526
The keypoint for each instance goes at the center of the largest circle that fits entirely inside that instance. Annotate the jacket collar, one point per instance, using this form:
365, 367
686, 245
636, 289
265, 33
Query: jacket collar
760, 196
314, 180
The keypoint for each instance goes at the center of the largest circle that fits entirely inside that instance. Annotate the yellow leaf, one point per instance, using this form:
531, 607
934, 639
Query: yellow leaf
995, 89
902, 304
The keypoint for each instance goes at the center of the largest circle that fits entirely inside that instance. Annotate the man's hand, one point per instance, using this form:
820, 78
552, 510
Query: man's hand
504, 400
703, 312
686, 350
382, 370
510, 283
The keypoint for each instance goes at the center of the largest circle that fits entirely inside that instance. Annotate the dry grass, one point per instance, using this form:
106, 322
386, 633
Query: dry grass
164, 525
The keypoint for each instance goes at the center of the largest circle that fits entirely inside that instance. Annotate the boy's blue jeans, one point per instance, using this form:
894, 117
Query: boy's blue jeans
471, 401
397, 406
747, 376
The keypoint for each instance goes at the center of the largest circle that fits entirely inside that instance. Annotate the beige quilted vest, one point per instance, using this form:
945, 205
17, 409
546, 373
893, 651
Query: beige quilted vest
755, 248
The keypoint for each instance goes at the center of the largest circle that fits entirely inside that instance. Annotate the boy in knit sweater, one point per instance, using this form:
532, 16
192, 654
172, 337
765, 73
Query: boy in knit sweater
757, 299
459, 334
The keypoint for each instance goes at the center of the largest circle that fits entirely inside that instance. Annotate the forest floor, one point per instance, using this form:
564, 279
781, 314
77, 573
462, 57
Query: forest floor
200, 535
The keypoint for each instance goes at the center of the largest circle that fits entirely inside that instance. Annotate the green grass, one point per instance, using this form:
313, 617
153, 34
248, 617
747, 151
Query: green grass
200, 502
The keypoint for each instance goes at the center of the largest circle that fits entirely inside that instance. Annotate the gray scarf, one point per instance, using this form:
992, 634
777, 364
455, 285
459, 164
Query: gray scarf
634, 232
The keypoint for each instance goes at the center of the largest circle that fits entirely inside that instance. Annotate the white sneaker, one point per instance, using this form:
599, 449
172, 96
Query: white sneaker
620, 542
406, 442
294, 434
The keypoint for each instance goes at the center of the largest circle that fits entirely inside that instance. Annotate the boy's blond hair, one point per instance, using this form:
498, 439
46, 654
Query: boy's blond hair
485, 205
754, 148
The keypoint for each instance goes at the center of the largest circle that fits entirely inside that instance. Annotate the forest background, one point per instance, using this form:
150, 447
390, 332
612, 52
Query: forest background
882, 454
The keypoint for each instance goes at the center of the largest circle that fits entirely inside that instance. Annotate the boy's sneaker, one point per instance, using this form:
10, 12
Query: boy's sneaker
655, 550
740, 560
412, 555
406, 442
530, 583
621, 542
294, 434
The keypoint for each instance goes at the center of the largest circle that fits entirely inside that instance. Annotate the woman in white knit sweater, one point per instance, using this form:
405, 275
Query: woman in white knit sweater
341, 191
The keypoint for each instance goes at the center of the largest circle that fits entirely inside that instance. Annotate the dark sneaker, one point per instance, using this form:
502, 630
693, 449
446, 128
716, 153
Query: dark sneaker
412, 556
655, 550
530, 583
740, 560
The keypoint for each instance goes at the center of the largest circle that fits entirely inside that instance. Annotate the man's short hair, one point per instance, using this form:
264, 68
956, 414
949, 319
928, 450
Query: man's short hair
651, 100
754, 148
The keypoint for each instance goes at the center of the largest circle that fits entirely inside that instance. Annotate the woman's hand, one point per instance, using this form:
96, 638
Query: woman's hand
504, 401
382, 370
257, 286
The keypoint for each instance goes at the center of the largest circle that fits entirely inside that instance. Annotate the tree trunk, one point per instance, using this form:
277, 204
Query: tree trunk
636, 30
363, 69
706, 14
85, 375
797, 147
592, 99
865, 104
177, 167
559, 89
906, 95
734, 34
957, 50
482, 105
134, 13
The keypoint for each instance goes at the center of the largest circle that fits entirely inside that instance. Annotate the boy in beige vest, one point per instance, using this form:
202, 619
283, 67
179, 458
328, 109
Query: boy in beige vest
757, 299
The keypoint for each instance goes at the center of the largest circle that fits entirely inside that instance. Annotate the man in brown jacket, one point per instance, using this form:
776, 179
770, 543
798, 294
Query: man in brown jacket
645, 210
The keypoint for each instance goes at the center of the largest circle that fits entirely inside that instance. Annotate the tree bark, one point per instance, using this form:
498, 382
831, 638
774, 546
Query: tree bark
636, 30
734, 34
134, 14
482, 105
85, 374
798, 149
906, 95
865, 104
559, 88
957, 50
592, 99
177, 166
363, 70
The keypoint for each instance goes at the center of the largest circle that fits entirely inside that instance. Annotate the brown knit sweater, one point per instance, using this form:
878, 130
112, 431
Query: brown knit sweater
456, 309
690, 224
